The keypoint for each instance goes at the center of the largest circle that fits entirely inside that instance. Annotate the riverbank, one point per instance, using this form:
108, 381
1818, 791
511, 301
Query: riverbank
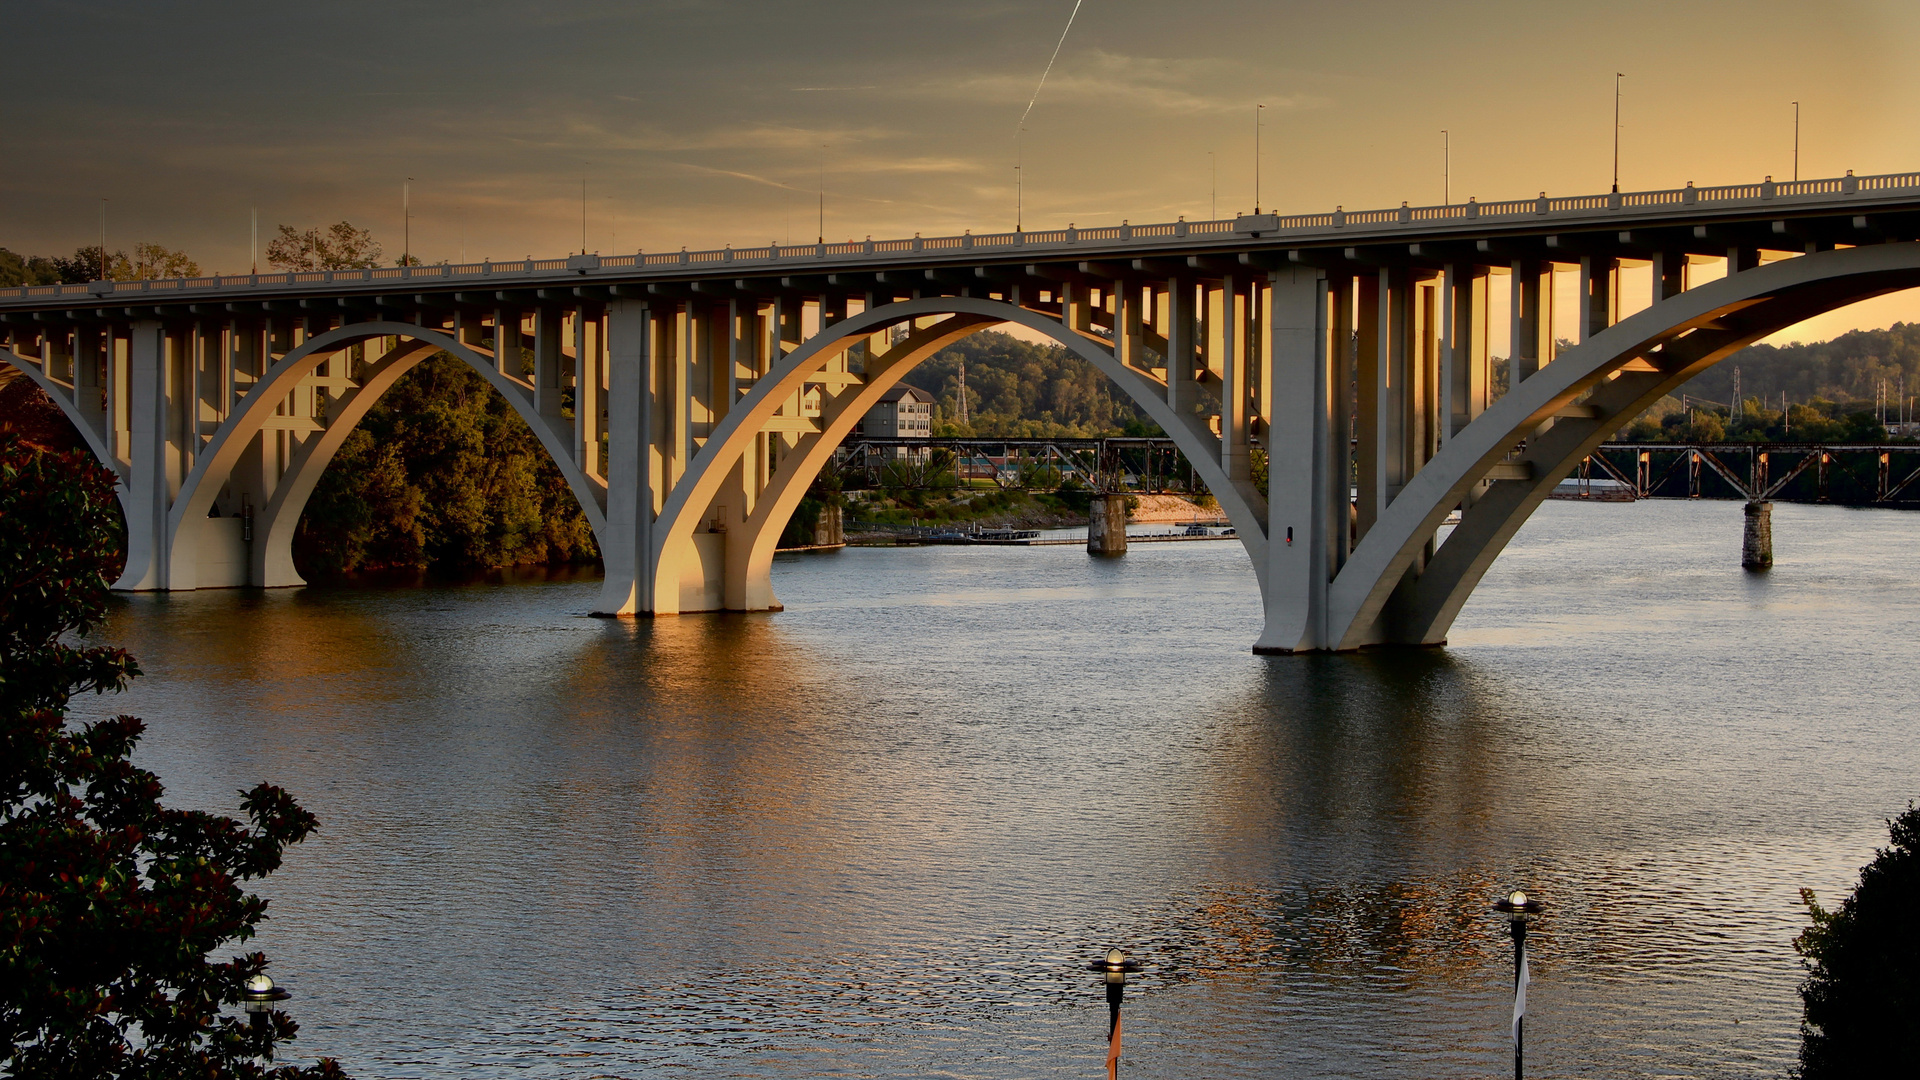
1019, 509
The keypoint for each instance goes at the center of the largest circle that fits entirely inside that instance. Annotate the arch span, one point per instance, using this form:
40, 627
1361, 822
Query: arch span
675, 577
95, 439
1392, 592
272, 551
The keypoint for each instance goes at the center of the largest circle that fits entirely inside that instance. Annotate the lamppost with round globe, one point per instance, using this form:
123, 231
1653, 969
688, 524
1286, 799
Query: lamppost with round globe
1518, 907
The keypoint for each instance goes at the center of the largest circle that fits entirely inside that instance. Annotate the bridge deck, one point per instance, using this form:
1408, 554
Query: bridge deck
1797, 206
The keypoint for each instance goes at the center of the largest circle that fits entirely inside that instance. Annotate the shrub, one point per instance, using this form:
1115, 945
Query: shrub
1862, 994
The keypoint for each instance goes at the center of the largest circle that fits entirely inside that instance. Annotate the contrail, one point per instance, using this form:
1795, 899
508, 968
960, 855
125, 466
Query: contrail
1049, 71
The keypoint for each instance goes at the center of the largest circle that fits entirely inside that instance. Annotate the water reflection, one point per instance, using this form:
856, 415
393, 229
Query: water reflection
883, 832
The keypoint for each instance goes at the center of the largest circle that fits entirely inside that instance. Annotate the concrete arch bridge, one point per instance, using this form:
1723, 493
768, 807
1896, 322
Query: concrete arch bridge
690, 397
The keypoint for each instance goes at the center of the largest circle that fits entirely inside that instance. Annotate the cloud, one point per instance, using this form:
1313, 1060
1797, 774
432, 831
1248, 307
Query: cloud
1168, 86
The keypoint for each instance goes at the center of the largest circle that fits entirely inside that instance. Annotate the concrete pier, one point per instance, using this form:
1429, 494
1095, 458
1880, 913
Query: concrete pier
1107, 525
830, 529
1756, 547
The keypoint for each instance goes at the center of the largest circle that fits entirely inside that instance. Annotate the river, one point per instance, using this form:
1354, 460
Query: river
880, 834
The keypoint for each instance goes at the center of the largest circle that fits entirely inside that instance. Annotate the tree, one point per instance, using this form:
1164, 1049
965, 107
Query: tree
152, 261
1862, 994
85, 267
336, 247
17, 270
441, 472
109, 902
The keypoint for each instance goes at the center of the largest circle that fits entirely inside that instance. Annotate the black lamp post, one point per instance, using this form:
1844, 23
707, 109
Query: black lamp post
1518, 908
1114, 968
258, 998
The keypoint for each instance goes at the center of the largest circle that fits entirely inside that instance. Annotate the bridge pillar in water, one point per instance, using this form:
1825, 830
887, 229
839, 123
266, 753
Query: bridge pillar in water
1756, 545
1308, 505
1107, 525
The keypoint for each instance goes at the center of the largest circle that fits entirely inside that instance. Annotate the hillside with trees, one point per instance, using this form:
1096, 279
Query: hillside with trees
1846, 389
1019, 389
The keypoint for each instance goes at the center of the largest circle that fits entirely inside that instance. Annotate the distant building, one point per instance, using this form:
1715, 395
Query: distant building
904, 412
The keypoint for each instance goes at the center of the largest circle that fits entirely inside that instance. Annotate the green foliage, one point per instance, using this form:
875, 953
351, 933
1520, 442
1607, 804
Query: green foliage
56, 551
149, 262
1705, 427
109, 902
1862, 994
802, 526
17, 270
1818, 420
441, 473
1847, 368
1022, 390
340, 246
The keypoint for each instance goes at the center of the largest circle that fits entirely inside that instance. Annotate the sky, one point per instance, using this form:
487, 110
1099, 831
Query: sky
707, 122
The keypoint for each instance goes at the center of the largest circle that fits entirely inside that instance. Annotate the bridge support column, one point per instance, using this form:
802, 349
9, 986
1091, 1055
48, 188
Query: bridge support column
146, 495
1107, 525
626, 547
1756, 548
1306, 501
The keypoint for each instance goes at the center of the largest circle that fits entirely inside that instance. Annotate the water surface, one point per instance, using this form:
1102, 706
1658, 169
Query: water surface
879, 833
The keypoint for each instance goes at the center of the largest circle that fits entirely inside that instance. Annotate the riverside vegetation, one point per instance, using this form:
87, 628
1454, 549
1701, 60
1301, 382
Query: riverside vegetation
111, 904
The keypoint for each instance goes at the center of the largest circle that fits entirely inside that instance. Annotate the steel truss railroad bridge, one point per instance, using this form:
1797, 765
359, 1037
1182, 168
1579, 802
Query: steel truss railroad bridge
1856, 474
690, 397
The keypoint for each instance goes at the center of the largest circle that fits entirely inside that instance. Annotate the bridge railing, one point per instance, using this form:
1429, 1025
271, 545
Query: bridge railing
1300, 227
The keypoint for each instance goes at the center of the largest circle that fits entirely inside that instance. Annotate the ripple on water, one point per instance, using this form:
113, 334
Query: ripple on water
880, 833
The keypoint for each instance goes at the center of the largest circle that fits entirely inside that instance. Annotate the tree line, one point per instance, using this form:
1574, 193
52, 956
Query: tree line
1848, 389
340, 246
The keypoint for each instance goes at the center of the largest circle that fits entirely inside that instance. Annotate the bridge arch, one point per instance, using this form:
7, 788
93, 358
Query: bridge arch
1394, 590
272, 549
748, 560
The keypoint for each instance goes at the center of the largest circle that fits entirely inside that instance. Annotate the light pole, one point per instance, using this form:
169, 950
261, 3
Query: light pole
1213, 167
1446, 168
1796, 140
1617, 76
1257, 111
1518, 907
259, 997
1114, 971
406, 223
1019, 178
